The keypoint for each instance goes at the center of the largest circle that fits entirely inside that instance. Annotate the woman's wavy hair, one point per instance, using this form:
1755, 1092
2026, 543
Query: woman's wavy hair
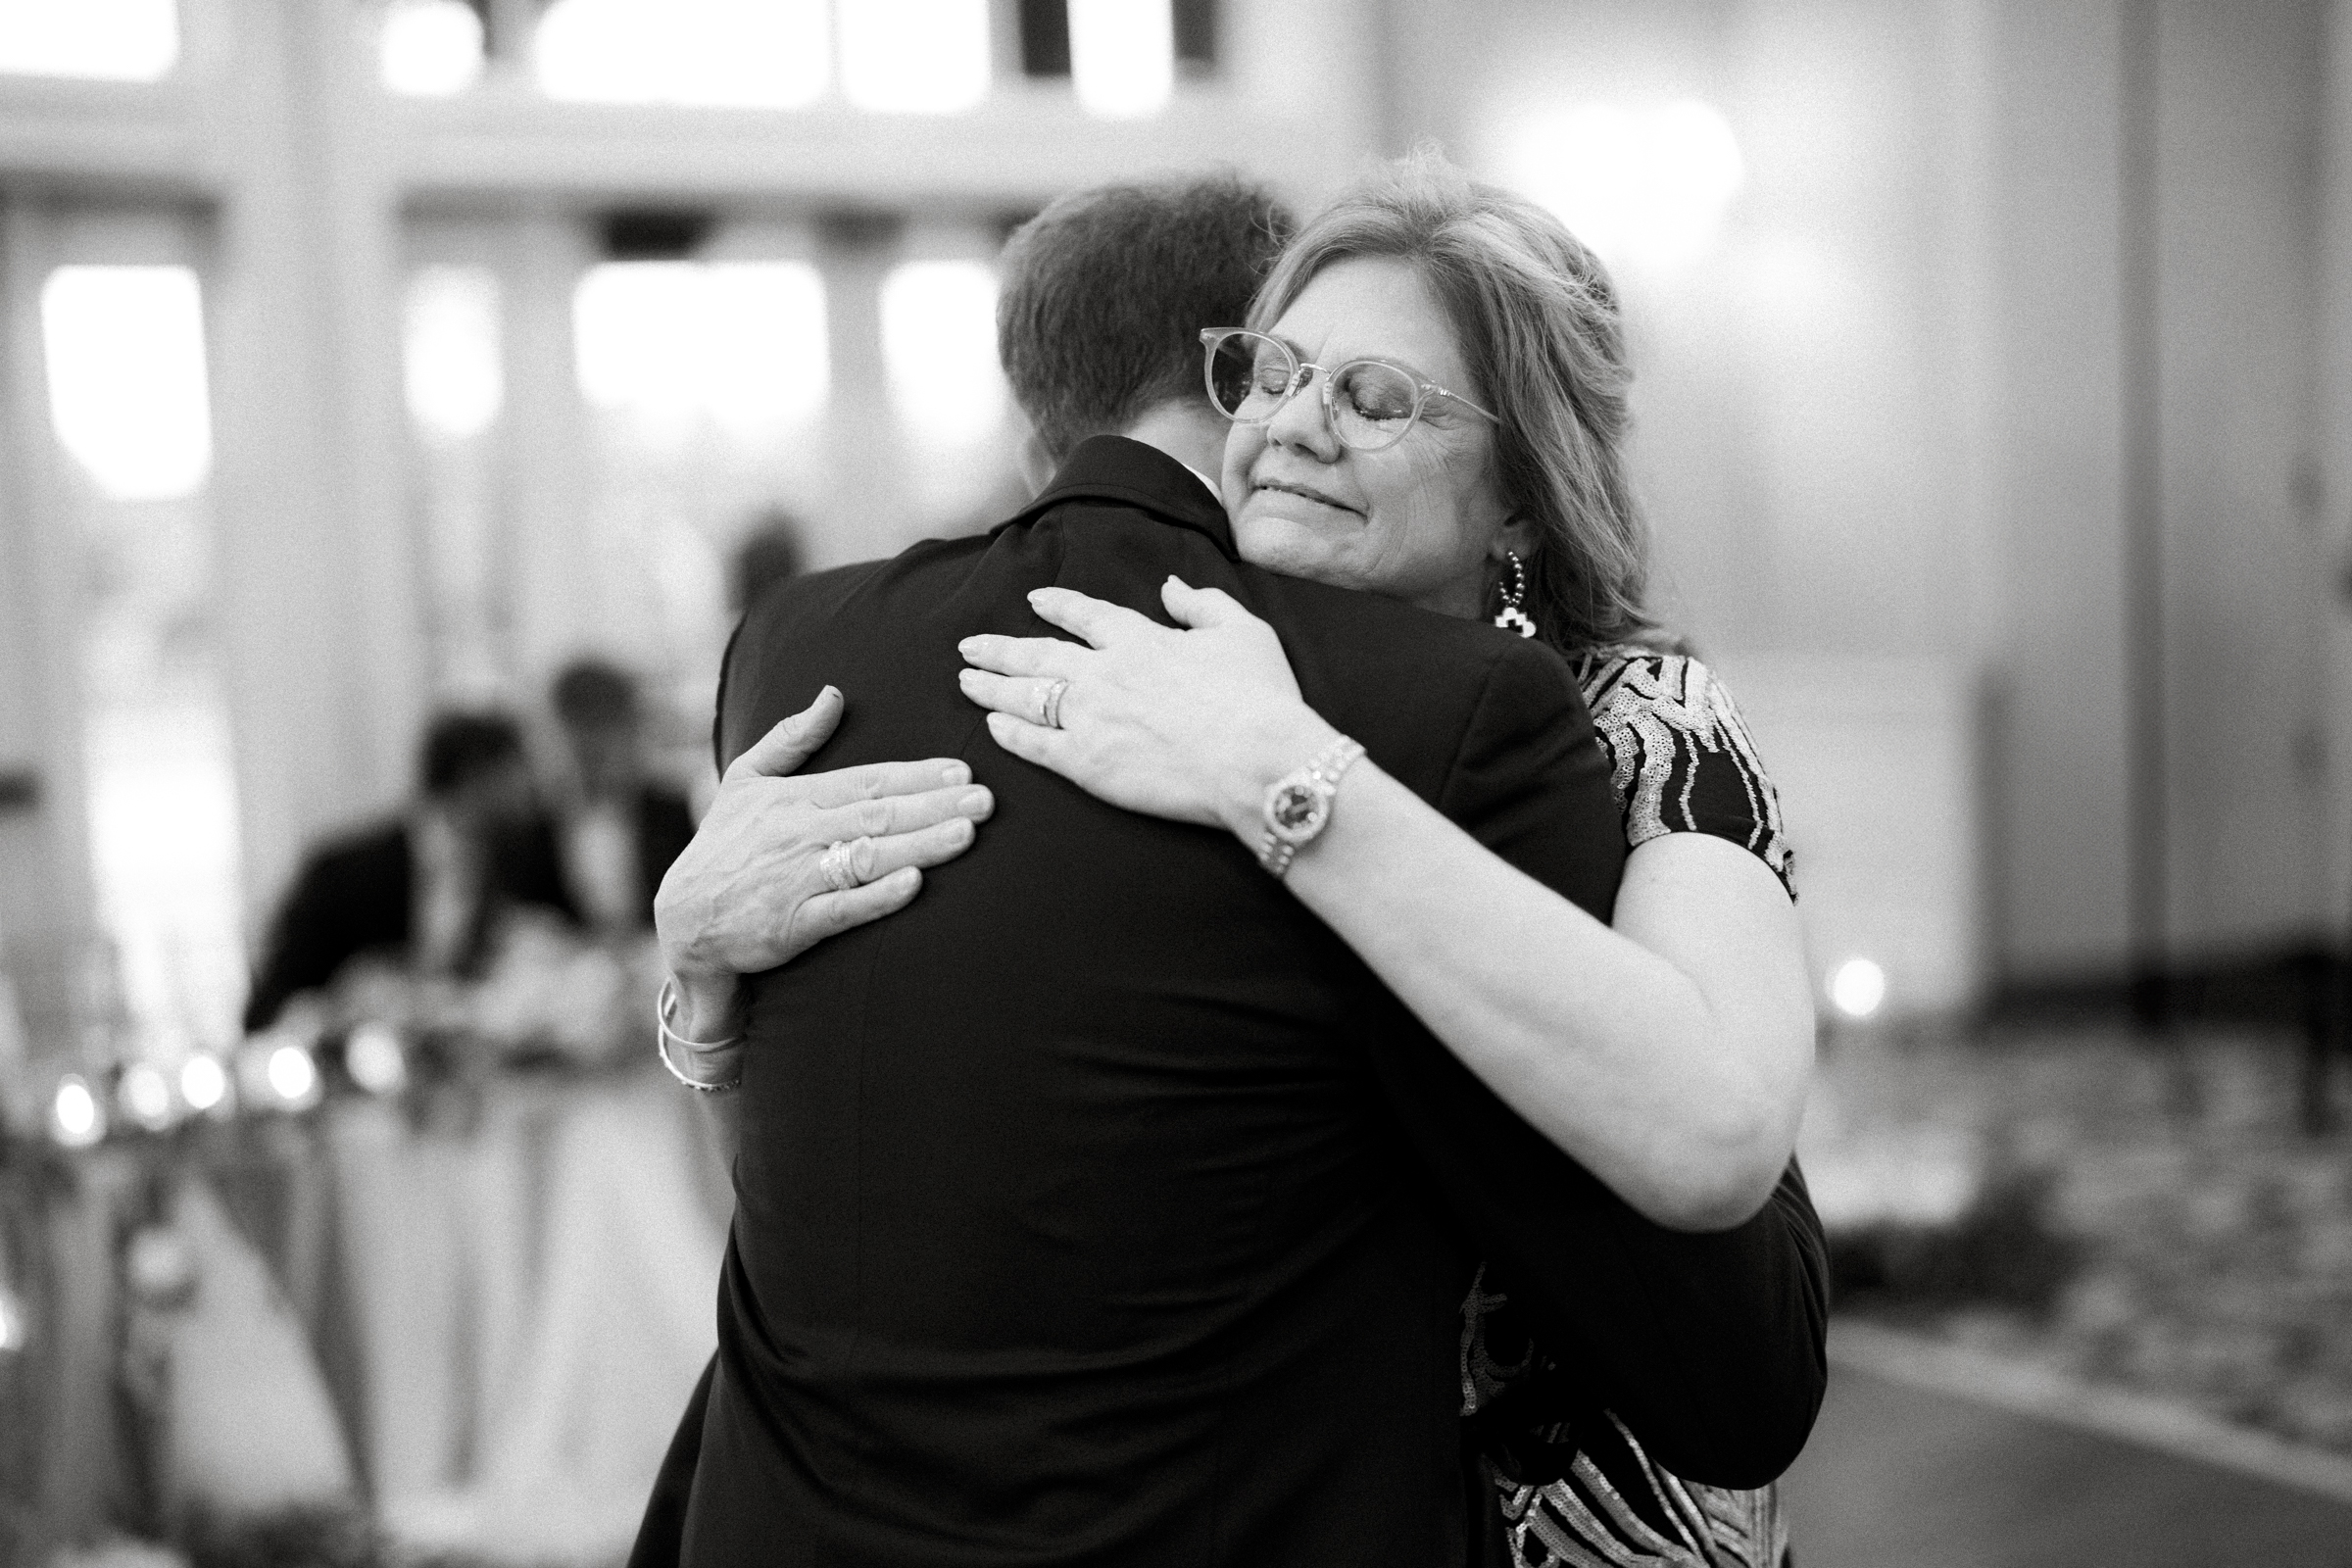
1538, 324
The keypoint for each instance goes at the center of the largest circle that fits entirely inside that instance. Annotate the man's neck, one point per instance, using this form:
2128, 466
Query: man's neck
1192, 434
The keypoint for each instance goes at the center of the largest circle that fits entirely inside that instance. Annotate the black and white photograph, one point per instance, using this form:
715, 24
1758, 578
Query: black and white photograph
1175, 783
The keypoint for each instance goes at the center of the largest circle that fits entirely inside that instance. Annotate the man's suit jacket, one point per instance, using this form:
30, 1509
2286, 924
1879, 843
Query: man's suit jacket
357, 894
1100, 1207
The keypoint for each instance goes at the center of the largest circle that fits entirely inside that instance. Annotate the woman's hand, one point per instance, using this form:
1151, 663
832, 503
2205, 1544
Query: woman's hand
749, 890
1191, 722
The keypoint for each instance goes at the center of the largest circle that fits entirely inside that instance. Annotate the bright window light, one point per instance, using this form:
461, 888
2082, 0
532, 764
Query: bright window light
431, 48
1122, 55
450, 351
743, 342
112, 40
1642, 186
126, 391
1857, 987
917, 57
754, 53
766, 360
939, 340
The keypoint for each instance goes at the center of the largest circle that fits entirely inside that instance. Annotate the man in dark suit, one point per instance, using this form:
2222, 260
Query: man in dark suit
427, 886
619, 828
1100, 1207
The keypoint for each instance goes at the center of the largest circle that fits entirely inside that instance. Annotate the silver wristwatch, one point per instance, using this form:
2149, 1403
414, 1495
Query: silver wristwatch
1298, 805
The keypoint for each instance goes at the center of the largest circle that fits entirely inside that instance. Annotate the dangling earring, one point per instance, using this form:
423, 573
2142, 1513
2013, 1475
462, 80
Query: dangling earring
1510, 618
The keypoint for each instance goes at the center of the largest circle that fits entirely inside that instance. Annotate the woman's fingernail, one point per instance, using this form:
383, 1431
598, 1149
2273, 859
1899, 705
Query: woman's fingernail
955, 773
975, 802
965, 677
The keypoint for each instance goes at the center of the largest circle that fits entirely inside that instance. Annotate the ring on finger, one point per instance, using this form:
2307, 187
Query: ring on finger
840, 864
1048, 704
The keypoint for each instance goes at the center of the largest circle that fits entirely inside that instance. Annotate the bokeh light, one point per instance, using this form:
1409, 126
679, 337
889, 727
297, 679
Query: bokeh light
375, 1058
203, 1084
146, 1096
429, 48
14, 1329
918, 57
1858, 988
75, 1117
125, 347
293, 1076
1122, 55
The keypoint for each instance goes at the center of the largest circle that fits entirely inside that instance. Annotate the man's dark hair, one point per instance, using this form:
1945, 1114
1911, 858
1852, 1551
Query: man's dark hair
459, 748
590, 694
1106, 291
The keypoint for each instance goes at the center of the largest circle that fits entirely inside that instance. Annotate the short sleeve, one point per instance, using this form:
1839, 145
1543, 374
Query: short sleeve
1680, 760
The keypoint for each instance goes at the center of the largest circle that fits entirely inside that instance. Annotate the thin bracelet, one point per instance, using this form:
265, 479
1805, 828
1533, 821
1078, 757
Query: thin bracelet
665, 1003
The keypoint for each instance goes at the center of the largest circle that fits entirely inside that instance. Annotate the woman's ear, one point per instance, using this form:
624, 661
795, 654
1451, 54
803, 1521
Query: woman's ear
1519, 535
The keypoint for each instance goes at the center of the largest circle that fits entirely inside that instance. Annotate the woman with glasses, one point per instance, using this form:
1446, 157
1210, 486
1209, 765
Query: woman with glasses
1429, 404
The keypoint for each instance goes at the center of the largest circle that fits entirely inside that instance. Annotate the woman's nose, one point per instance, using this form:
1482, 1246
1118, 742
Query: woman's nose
1299, 423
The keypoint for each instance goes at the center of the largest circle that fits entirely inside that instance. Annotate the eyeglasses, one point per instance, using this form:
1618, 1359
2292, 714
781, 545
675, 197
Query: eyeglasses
1370, 402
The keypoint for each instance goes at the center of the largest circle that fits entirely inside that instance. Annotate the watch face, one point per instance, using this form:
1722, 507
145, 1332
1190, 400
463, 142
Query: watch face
1296, 809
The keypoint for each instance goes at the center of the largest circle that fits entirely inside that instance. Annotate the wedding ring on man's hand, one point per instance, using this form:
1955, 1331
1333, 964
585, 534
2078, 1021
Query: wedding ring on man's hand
840, 865
1049, 706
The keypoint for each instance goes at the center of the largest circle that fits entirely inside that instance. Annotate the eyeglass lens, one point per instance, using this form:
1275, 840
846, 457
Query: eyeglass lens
1250, 377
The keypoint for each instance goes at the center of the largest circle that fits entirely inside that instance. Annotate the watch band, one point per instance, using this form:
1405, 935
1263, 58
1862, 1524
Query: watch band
1277, 847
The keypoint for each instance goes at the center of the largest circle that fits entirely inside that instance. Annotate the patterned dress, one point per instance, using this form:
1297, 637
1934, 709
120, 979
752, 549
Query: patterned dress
1581, 1493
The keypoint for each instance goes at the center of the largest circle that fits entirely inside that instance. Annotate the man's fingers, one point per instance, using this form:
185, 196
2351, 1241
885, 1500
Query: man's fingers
876, 781
1031, 743
1097, 620
829, 915
1022, 696
1049, 657
893, 814
790, 742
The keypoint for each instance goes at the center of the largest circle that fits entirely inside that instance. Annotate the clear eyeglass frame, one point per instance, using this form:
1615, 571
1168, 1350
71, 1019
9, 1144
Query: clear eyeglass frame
1329, 377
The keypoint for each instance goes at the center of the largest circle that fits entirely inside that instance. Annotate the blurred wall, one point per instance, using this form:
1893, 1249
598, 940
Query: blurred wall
1886, 416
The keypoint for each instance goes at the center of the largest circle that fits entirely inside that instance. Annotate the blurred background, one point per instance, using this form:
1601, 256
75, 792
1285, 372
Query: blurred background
369, 360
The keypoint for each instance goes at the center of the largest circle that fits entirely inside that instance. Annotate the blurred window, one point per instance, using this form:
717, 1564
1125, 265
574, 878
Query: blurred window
430, 48
1122, 55
1645, 187
126, 378
113, 40
760, 53
456, 382
668, 343
124, 353
939, 341
914, 56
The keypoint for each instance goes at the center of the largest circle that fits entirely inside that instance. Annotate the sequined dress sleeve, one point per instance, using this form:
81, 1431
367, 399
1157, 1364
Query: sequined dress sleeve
1584, 1492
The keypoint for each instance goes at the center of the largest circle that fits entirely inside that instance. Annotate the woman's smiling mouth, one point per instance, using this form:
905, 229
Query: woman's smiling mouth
1303, 492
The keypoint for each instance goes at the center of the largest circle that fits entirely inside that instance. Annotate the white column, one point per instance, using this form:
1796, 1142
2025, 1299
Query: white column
318, 580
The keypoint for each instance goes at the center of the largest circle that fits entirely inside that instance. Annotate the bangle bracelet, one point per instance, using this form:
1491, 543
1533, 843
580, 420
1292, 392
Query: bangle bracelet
665, 1006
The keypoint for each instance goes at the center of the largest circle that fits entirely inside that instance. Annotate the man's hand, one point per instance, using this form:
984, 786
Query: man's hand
748, 893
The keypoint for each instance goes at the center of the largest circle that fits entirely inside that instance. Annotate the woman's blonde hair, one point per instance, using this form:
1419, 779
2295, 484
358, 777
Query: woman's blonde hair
1538, 324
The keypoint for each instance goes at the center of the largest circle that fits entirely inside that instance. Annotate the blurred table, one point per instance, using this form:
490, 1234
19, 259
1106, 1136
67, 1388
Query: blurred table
505, 1312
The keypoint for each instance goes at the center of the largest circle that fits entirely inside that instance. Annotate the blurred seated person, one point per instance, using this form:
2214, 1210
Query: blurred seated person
427, 886
769, 554
621, 828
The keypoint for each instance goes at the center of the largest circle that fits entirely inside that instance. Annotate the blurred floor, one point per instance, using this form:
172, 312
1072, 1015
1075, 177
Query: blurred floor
1899, 1476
